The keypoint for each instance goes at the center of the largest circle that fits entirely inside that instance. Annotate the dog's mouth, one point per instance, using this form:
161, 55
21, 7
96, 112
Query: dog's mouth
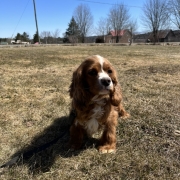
105, 90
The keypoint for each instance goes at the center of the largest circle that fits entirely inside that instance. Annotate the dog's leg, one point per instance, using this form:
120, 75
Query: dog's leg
122, 113
108, 139
76, 136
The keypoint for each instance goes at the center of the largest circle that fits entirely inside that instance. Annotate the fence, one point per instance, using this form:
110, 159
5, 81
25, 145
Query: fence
87, 44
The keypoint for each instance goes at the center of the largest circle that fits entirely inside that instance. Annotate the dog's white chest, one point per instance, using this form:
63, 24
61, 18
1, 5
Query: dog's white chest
92, 124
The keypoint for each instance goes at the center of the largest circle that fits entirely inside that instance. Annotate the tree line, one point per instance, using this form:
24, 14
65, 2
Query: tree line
156, 15
45, 37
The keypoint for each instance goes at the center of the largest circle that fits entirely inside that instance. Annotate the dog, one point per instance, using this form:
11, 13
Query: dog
97, 102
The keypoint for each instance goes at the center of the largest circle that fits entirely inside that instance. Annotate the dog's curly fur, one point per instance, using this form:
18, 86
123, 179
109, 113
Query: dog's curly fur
97, 100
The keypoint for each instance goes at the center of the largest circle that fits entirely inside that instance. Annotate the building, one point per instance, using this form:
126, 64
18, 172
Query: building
162, 36
3, 43
177, 35
141, 38
121, 36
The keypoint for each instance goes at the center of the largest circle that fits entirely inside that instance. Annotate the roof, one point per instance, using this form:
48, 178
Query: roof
161, 34
176, 33
115, 33
141, 36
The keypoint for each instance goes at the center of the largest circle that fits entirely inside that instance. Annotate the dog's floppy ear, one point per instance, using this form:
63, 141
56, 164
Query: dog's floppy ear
78, 89
116, 95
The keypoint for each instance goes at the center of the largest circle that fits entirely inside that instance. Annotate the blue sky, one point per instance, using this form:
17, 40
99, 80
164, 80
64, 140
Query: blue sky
18, 15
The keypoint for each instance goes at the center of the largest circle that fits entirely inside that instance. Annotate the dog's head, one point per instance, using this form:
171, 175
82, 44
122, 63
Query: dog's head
95, 76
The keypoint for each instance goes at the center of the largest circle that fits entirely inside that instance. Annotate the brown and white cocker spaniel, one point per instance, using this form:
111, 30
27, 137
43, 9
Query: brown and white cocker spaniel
96, 99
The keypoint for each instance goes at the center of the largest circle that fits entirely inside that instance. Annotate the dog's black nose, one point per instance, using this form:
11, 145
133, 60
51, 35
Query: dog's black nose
105, 81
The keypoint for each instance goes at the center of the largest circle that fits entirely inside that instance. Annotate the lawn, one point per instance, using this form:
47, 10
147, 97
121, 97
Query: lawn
34, 109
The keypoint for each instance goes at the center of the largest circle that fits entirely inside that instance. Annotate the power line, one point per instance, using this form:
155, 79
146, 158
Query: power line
20, 19
107, 3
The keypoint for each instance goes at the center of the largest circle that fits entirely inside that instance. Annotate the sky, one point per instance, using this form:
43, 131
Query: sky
17, 16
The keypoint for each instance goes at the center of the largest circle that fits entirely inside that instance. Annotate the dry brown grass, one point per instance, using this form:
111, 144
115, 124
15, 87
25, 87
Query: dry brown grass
34, 105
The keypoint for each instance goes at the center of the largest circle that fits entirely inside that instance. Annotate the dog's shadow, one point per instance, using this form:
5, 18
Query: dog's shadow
45, 147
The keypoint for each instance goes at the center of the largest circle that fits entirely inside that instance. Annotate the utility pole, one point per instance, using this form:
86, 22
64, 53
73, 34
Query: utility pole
36, 21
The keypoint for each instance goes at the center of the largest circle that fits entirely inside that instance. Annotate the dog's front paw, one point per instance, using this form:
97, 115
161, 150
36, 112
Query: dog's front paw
125, 115
106, 149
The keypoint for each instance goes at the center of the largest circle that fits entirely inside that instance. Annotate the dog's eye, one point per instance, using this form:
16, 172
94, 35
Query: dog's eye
109, 71
93, 72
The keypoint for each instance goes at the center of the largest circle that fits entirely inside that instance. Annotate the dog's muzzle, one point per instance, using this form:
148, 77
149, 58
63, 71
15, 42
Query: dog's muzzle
106, 81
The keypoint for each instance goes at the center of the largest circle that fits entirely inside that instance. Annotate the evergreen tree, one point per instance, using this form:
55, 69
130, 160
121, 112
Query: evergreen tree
25, 37
22, 37
35, 38
72, 32
18, 37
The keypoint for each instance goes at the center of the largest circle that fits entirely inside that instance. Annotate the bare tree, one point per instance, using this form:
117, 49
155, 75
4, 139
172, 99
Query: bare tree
45, 35
175, 12
84, 20
156, 16
132, 27
119, 18
55, 35
102, 26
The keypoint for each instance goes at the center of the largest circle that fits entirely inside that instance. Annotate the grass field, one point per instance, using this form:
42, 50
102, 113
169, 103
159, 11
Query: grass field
34, 108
